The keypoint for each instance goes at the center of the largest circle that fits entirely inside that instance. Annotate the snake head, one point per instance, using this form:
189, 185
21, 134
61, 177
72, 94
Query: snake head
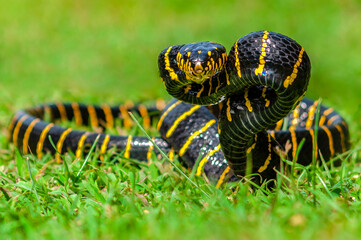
200, 61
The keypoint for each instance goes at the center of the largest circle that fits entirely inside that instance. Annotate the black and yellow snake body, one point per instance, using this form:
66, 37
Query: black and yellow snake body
254, 113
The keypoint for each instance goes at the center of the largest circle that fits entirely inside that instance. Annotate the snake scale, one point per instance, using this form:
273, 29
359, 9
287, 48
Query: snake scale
229, 109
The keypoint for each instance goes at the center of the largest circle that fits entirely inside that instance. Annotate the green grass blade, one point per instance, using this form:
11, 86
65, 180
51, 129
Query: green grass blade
33, 188
88, 156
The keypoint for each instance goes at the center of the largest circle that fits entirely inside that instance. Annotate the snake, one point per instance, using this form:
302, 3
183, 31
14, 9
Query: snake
232, 114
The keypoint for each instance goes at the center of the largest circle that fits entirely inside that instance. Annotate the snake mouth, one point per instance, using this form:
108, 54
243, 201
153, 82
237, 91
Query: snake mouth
200, 71
197, 73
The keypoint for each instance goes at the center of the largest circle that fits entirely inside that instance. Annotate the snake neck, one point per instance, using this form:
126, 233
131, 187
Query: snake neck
273, 72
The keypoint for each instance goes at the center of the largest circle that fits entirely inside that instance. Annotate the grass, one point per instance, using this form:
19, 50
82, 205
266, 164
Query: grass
112, 201
106, 51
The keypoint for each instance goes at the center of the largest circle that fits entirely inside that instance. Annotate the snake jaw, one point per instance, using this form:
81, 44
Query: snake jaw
197, 73
200, 71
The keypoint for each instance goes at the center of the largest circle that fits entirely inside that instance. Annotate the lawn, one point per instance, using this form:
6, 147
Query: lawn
106, 51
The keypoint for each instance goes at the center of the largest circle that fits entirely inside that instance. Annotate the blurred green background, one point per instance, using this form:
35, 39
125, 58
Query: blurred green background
106, 51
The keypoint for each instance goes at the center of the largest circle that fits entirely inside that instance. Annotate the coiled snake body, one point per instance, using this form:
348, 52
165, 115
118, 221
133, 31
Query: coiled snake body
255, 110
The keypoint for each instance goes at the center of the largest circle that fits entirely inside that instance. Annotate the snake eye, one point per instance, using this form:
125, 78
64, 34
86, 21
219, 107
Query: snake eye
214, 55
